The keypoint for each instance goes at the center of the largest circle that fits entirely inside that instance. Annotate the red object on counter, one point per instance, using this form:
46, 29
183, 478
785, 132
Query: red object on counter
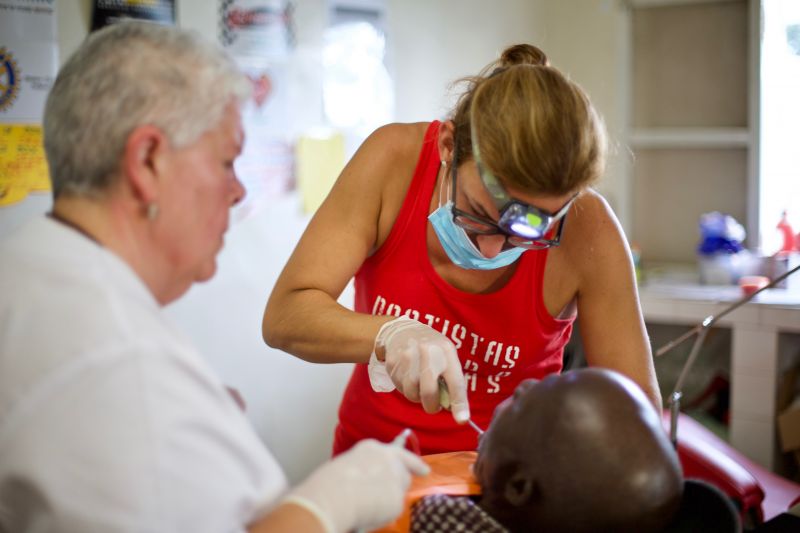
751, 284
789, 244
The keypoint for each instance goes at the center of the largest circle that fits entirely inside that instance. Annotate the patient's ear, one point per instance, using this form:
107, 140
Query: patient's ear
519, 489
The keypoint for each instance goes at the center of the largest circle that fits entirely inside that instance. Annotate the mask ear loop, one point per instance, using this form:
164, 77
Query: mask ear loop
443, 168
443, 175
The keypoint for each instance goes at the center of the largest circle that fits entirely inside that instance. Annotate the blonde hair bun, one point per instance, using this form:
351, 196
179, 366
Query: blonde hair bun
522, 54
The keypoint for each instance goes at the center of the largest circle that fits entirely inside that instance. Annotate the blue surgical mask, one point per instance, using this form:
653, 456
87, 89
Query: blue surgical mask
460, 248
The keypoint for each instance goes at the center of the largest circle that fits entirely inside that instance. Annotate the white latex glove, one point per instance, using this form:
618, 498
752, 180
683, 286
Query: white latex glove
364, 487
415, 358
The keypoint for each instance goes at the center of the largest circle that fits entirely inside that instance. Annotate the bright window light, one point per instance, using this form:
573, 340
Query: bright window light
358, 94
780, 119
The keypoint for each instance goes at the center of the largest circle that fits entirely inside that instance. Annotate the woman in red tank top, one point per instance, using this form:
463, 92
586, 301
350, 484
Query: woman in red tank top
474, 243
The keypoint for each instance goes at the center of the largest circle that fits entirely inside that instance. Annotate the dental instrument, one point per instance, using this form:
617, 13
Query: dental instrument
444, 401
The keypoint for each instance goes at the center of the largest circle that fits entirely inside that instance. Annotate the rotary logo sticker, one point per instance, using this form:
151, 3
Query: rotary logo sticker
9, 79
28, 64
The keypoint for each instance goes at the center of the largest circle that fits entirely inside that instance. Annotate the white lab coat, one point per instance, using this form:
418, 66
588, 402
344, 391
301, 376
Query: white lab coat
109, 419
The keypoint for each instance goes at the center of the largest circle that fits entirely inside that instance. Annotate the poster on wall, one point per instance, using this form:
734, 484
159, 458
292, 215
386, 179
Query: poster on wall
28, 65
107, 12
259, 35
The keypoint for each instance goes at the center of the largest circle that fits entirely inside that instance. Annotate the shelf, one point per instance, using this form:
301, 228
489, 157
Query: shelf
690, 138
690, 66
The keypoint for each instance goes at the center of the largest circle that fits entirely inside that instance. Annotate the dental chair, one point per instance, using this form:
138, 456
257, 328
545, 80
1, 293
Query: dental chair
704, 508
758, 494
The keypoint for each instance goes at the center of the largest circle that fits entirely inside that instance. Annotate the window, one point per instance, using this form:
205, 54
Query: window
358, 94
779, 187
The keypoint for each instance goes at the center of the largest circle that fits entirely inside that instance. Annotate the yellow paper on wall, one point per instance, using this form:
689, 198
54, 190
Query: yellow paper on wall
23, 167
319, 160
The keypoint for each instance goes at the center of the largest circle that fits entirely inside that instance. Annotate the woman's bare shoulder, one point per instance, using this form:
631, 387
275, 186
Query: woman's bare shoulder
593, 218
392, 154
393, 151
397, 141
596, 242
384, 158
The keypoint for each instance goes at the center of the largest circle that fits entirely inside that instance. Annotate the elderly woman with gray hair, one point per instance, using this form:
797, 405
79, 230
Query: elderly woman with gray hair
109, 419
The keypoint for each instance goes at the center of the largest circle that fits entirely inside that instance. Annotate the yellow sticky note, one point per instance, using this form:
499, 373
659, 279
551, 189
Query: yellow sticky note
23, 167
319, 161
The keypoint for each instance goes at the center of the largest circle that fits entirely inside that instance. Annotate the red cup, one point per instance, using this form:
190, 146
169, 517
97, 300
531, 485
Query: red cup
751, 284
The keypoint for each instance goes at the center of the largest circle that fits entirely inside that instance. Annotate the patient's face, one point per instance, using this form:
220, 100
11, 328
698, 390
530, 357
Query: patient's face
577, 451
513, 415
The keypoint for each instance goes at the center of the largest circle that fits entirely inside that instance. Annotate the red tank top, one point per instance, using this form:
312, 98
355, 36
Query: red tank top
502, 337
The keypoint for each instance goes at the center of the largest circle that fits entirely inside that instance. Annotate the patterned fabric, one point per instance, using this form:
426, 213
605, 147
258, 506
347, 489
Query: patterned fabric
451, 474
440, 513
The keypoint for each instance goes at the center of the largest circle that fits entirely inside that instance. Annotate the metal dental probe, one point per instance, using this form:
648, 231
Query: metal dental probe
444, 400
475, 426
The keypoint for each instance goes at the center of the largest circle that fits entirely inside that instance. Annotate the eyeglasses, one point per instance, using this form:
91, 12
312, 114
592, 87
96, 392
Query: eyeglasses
523, 224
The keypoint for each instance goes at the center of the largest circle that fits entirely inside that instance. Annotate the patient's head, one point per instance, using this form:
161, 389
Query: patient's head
581, 451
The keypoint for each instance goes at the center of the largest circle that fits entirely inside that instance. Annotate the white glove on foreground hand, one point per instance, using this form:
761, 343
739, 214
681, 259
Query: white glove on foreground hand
415, 356
362, 488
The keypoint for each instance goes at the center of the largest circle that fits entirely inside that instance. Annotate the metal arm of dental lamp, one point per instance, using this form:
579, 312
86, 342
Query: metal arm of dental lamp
701, 330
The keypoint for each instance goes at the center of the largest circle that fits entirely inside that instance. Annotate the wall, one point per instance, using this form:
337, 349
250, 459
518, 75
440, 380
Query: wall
585, 39
455, 38
292, 404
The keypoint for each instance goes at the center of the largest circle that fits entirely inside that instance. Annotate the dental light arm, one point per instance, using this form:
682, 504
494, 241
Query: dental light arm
701, 330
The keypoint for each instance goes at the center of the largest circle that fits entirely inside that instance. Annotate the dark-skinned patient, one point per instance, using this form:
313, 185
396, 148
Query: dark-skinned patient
581, 451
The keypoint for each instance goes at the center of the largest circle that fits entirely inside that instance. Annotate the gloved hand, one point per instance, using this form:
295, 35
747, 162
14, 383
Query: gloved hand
362, 488
416, 357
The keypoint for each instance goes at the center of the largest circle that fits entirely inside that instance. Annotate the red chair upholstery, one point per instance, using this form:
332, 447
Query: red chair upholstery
759, 493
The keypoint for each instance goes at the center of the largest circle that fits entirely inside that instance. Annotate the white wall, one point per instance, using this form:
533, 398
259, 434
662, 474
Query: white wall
435, 43
584, 38
291, 403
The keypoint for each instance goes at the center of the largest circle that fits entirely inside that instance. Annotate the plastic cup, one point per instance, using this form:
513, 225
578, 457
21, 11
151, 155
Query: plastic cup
751, 284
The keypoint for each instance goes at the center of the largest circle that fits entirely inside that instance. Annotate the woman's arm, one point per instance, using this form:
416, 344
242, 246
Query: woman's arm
302, 316
611, 322
362, 488
288, 518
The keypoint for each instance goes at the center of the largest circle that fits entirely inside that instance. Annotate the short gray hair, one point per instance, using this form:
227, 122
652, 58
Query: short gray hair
124, 76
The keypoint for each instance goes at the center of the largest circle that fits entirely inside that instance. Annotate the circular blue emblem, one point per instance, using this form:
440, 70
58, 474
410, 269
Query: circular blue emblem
9, 79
